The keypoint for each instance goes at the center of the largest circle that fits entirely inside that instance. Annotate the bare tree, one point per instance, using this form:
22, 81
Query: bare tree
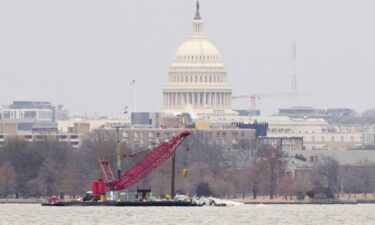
329, 173
366, 176
273, 158
287, 187
7, 179
257, 174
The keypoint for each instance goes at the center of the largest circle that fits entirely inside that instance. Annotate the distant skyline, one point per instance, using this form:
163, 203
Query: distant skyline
84, 54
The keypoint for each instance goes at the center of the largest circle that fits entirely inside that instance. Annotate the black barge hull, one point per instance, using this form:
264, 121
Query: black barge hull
123, 204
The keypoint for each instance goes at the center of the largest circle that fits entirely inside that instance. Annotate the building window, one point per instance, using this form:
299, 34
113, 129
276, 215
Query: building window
332, 139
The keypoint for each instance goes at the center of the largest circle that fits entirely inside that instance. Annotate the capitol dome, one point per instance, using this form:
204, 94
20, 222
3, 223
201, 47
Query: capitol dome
197, 78
197, 50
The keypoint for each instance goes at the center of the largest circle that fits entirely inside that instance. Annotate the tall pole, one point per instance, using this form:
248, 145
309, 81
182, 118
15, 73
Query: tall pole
173, 192
135, 97
294, 75
173, 175
118, 153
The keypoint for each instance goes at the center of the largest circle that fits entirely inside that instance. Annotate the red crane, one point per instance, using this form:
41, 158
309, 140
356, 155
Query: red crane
147, 165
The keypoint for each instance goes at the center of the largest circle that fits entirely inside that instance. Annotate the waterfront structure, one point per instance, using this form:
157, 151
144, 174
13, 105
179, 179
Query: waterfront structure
285, 143
74, 139
35, 121
28, 117
149, 119
314, 131
369, 138
330, 113
197, 78
145, 138
28, 111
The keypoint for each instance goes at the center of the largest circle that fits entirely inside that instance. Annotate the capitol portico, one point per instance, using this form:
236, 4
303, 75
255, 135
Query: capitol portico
197, 78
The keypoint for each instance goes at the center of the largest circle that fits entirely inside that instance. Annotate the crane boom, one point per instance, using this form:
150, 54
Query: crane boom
147, 165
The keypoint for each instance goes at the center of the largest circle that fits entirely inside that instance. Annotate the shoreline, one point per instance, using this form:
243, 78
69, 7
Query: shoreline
245, 201
306, 202
20, 201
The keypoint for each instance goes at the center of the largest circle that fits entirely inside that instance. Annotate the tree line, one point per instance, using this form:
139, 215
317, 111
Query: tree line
48, 168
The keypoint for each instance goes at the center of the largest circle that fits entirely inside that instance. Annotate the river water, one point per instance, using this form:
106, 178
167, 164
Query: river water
24, 214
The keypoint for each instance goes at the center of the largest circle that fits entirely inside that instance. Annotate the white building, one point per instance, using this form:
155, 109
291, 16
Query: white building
28, 111
197, 78
314, 131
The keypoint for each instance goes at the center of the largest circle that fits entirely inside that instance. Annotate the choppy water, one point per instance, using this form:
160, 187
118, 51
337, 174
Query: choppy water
14, 214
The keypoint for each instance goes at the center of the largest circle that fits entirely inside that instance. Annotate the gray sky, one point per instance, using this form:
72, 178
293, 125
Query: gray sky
84, 53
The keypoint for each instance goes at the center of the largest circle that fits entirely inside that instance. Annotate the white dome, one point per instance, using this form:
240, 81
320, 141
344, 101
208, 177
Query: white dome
197, 78
197, 49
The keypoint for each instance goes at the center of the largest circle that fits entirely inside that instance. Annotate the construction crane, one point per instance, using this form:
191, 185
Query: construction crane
255, 98
147, 165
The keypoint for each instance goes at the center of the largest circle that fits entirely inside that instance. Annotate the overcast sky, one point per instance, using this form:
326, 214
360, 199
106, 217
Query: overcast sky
84, 53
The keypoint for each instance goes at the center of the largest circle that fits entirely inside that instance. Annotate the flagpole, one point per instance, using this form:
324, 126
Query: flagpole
135, 97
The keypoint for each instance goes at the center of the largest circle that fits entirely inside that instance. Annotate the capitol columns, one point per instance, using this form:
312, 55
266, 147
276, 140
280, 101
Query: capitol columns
201, 99
204, 99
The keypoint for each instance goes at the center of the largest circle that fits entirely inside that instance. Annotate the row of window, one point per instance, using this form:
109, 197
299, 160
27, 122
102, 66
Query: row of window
158, 134
27, 115
205, 68
332, 139
288, 130
196, 79
195, 57
156, 141
149, 134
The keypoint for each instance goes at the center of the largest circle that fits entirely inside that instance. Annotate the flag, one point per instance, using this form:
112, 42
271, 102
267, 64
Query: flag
126, 109
132, 82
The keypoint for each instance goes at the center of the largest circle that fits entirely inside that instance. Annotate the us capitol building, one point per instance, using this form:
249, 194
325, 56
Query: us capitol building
197, 78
